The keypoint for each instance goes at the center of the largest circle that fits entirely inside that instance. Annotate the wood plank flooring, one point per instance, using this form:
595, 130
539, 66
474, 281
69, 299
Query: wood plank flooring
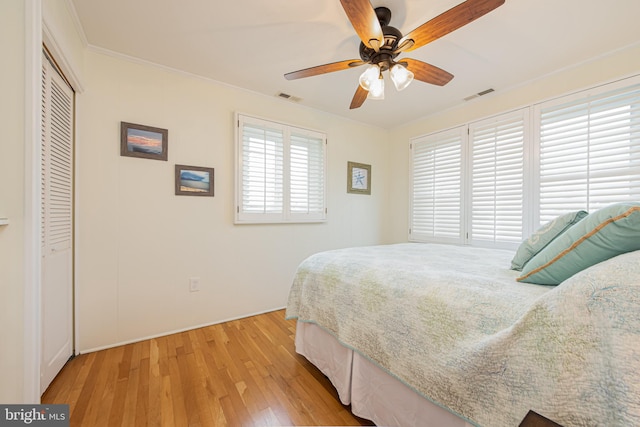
239, 373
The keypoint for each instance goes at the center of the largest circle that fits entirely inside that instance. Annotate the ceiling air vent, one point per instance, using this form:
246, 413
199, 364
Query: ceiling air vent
475, 95
288, 97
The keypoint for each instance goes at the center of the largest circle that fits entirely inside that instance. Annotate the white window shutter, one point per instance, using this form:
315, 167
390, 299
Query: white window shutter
307, 175
496, 180
262, 174
281, 173
437, 187
497, 184
589, 151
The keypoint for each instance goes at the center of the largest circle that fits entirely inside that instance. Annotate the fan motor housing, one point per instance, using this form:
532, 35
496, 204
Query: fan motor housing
391, 37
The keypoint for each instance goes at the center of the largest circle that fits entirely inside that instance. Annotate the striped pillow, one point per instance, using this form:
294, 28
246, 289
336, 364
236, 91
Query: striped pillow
543, 236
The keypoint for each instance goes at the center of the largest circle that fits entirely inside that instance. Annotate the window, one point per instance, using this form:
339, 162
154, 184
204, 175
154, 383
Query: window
468, 183
494, 181
281, 173
589, 151
436, 191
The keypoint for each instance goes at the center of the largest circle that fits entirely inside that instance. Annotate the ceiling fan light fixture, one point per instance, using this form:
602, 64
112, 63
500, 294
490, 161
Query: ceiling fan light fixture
369, 76
376, 91
400, 76
381, 43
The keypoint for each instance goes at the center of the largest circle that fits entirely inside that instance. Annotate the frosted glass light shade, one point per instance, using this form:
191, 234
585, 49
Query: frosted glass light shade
400, 76
376, 91
369, 77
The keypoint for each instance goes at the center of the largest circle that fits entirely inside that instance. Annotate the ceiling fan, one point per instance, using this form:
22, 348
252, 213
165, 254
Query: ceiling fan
381, 44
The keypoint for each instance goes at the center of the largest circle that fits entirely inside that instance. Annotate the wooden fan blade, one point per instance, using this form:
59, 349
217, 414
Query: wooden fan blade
426, 72
365, 21
358, 98
449, 21
322, 69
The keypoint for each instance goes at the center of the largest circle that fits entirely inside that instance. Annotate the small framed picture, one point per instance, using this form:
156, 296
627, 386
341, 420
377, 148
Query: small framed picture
358, 178
194, 181
143, 141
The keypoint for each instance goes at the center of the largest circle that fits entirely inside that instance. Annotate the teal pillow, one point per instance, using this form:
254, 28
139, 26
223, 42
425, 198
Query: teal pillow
543, 236
608, 232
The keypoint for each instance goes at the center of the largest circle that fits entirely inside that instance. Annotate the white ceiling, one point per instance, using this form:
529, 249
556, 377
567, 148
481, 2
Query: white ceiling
252, 43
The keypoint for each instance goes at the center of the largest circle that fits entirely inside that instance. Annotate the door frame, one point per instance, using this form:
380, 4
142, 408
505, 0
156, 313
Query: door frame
37, 35
32, 251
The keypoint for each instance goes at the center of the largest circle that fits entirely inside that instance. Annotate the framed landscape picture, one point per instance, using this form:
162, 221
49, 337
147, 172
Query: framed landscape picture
194, 181
143, 141
358, 178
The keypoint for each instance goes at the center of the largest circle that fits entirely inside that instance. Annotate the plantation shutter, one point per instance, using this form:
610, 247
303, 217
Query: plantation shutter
436, 187
497, 179
262, 174
589, 151
281, 173
307, 174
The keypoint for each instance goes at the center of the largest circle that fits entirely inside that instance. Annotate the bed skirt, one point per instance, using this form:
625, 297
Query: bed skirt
372, 393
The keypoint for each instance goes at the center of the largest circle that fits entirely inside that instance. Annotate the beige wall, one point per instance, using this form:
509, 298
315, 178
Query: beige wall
12, 199
623, 63
63, 39
138, 243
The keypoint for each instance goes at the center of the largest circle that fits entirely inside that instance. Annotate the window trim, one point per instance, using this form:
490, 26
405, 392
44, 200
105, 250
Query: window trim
287, 215
466, 200
531, 161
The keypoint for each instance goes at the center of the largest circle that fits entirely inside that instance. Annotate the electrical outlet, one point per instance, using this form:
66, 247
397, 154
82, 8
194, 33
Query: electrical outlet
194, 284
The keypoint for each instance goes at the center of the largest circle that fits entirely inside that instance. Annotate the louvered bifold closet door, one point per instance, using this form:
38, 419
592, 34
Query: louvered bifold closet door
57, 163
497, 180
437, 187
589, 151
57, 223
307, 175
262, 178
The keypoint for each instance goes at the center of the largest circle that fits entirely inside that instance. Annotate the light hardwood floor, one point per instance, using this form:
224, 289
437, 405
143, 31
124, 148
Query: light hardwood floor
239, 373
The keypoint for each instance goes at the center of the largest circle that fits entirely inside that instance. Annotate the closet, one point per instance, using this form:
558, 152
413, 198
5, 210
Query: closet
56, 222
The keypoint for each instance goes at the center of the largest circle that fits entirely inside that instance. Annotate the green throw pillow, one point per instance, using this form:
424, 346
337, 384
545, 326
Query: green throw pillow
608, 232
543, 236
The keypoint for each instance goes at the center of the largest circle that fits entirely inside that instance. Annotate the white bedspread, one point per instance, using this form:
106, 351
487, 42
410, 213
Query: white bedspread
452, 323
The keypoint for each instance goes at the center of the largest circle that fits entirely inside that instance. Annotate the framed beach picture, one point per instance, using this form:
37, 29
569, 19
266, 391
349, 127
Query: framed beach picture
358, 178
194, 181
143, 141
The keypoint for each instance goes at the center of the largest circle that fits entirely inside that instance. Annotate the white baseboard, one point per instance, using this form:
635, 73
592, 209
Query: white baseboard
177, 331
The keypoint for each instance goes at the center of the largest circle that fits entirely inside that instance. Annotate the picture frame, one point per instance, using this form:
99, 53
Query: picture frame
358, 178
194, 181
142, 141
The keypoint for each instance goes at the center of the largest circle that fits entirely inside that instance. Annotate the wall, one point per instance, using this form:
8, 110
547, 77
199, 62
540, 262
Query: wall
64, 40
12, 199
138, 243
619, 64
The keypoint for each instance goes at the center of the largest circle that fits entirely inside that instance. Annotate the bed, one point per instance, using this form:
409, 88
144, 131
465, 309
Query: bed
418, 334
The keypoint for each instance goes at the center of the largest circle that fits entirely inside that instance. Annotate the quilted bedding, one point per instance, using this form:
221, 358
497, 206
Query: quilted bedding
453, 324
